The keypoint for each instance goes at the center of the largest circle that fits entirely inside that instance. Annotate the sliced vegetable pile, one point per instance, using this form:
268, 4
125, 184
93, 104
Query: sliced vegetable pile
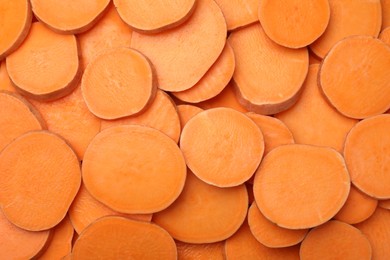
195, 129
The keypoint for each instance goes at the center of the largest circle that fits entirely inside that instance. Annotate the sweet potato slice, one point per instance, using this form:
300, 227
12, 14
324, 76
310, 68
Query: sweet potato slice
46, 65
120, 238
186, 112
385, 35
40, 176
357, 208
17, 116
15, 23
239, 13
243, 245
5, 82
367, 155
269, 234
222, 147
189, 220
17, 243
85, 210
301, 186
324, 125
118, 83
134, 169
184, 54
303, 20
161, 115
214, 81
109, 32
377, 230
166, 14
70, 16
341, 73
60, 244
268, 77
335, 240
347, 18
186, 251
70, 118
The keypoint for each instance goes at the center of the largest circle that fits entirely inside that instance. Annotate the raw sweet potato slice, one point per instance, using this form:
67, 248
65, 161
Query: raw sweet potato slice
275, 132
17, 116
324, 125
385, 204
70, 16
184, 54
85, 209
222, 147
186, 251
268, 77
134, 169
60, 244
108, 33
301, 186
214, 81
227, 98
357, 208
385, 35
385, 4
5, 82
269, 234
17, 243
347, 18
118, 83
377, 230
341, 73
303, 20
15, 23
186, 112
189, 220
335, 240
161, 115
120, 238
70, 118
40, 177
46, 65
166, 14
243, 245
367, 155
239, 13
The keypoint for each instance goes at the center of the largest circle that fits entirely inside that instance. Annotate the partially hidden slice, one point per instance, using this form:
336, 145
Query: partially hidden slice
357, 208
85, 209
184, 54
367, 155
312, 120
166, 14
385, 35
134, 169
335, 240
269, 234
353, 93
301, 186
17, 243
161, 114
46, 65
359, 17
118, 83
40, 176
71, 16
60, 244
268, 77
120, 238
214, 81
239, 13
186, 112
204, 213
17, 116
186, 251
222, 147
15, 22
5, 81
243, 245
294, 23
